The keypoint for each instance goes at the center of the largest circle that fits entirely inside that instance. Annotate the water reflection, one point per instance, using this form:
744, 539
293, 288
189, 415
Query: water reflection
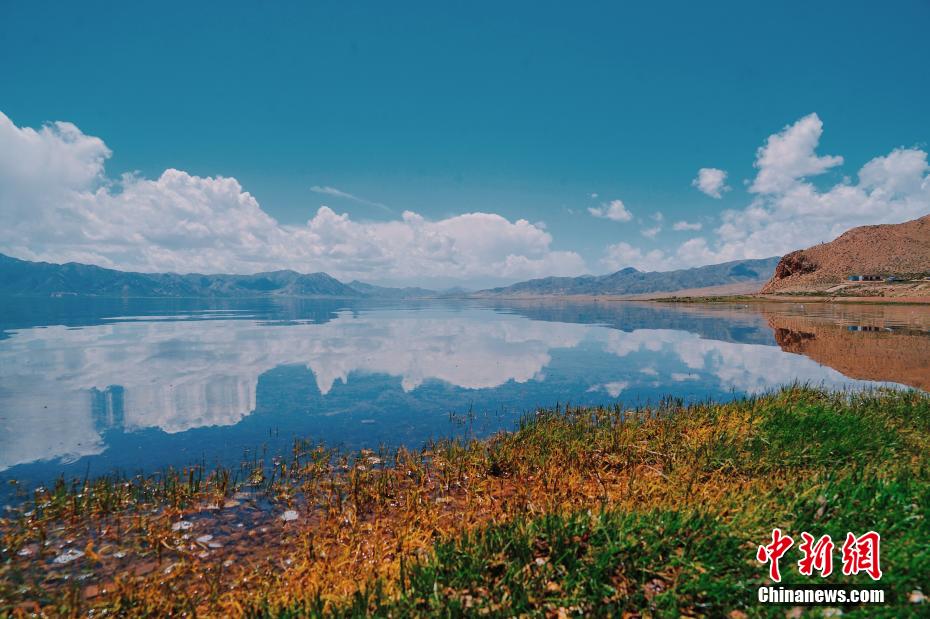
163, 383
881, 343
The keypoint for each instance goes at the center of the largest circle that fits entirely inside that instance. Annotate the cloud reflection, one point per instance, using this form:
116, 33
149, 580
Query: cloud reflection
178, 375
61, 387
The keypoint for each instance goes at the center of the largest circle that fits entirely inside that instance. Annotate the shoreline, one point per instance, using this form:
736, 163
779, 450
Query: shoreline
318, 533
786, 298
738, 298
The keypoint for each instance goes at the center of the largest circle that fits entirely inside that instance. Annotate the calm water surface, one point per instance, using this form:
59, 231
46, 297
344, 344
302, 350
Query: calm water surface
92, 386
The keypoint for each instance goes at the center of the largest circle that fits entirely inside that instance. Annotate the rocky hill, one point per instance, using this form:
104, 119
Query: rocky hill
901, 250
630, 281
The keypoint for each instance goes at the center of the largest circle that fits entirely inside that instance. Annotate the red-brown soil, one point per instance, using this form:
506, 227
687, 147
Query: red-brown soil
886, 250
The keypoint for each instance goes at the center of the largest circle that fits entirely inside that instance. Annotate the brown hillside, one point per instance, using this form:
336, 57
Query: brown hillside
889, 249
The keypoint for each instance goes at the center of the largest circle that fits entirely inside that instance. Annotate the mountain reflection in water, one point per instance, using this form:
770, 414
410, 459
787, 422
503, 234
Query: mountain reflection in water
146, 385
879, 343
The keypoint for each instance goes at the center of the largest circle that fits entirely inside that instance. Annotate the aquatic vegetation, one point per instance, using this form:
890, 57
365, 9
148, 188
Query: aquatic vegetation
577, 511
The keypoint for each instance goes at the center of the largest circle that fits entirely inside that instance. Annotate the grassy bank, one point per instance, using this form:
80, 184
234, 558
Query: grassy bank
580, 511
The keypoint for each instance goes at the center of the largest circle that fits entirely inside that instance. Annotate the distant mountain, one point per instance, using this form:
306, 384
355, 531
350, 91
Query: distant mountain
630, 281
901, 250
382, 292
22, 277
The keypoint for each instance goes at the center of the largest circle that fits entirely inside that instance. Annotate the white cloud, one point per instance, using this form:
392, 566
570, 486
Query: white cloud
901, 174
650, 233
680, 226
788, 212
622, 255
58, 205
613, 210
711, 181
52, 163
338, 193
789, 156
691, 253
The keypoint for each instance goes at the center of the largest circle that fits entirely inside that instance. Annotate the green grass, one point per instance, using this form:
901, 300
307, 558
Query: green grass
664, 563
820, 434
858, 462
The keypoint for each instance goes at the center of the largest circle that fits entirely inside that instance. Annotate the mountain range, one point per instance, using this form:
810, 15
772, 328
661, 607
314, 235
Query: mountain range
630, 281
22, 277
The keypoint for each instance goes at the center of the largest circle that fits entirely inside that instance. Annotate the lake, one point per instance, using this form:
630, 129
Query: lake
90, 386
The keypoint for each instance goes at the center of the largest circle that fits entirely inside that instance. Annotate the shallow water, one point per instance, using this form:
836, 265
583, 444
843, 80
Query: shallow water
93, 386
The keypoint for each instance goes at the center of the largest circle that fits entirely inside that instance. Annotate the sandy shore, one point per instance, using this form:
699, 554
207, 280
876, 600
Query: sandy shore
832, 299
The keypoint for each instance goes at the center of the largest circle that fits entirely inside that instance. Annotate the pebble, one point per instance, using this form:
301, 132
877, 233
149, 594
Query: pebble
181, 525
68, 556
289, 515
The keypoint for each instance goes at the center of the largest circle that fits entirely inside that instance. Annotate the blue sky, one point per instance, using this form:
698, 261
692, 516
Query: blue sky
518, 109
